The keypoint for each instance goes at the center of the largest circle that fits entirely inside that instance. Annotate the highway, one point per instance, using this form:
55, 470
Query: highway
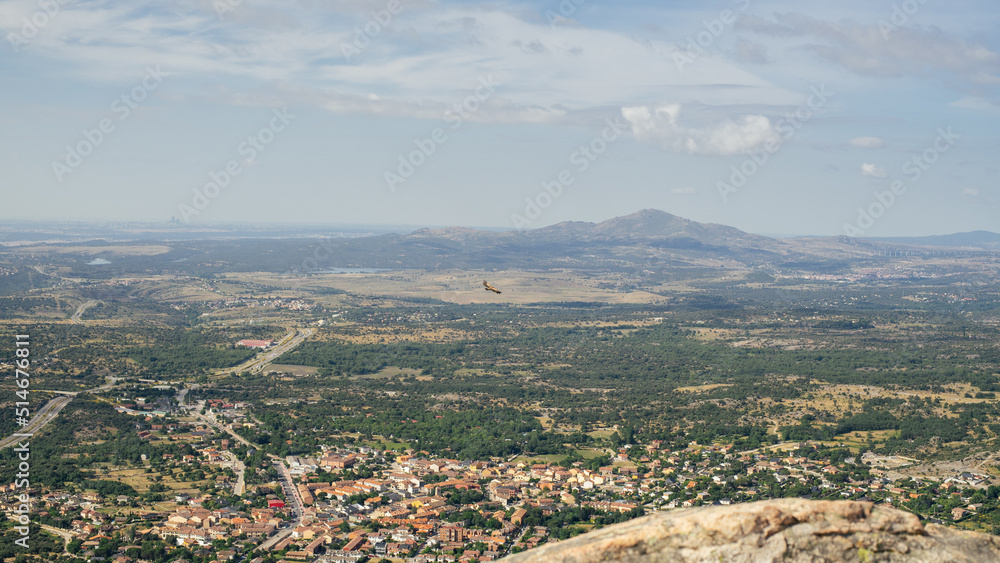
50, 410
42, 417
257, 363
79, 311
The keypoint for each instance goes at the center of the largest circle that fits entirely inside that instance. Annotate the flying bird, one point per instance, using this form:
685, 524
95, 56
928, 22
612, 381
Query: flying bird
489, 287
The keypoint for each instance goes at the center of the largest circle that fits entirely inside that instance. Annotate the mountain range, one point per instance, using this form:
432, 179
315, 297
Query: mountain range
649, 239
632, 241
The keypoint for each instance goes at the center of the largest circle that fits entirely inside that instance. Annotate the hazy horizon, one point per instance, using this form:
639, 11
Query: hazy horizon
352, 228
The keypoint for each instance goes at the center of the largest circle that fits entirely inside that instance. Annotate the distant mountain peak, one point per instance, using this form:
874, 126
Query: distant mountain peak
646, 222
651, 225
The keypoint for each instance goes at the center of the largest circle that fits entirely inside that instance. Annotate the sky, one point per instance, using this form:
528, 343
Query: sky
856, 117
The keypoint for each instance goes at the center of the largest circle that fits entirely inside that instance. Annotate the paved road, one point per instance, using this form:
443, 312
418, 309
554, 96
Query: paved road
291, 491
64, 534
50, 411
257, 363
239, 468
181, 396
208, 420
241, 485
273, 540
41, 418
295, 504
79, 311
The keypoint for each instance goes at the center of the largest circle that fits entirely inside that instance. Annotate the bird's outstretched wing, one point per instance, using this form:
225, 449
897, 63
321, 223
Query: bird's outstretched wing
489, 287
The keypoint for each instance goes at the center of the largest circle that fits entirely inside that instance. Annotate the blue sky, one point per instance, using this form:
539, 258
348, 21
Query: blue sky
770, 116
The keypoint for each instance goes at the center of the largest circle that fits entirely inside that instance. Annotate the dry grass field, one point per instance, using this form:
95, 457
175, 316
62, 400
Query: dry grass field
464, 287
119, 250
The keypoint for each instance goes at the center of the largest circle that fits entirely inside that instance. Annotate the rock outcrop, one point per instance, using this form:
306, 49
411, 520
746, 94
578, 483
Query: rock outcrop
792, 530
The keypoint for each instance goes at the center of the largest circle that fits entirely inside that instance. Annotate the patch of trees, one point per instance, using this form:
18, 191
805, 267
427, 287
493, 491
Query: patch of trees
189, 351
472, 432
805, 431
19, 307
559, 521
107, 488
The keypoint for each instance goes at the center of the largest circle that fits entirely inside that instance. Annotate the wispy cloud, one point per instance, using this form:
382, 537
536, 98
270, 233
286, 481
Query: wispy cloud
863, 48
873, 171
866, 142
424, 59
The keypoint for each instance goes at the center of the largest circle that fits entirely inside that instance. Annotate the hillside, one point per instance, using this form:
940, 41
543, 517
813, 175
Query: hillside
785, 530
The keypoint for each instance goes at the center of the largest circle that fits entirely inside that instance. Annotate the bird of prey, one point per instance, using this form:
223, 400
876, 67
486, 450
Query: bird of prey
489, 287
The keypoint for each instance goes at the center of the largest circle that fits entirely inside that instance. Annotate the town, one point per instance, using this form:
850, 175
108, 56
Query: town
366, 503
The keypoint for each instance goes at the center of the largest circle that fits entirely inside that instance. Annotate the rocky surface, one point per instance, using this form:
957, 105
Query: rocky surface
793, 530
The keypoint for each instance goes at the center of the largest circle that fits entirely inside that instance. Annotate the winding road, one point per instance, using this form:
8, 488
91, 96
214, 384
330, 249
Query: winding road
64, 534
79, 311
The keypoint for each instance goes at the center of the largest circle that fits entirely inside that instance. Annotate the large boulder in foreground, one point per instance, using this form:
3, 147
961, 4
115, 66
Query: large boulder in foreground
793, 530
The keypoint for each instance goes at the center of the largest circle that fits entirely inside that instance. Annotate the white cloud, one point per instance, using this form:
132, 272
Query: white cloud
909, 51
866, 142
683, 191
428, 56
970, 192
660, 125
873, 171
